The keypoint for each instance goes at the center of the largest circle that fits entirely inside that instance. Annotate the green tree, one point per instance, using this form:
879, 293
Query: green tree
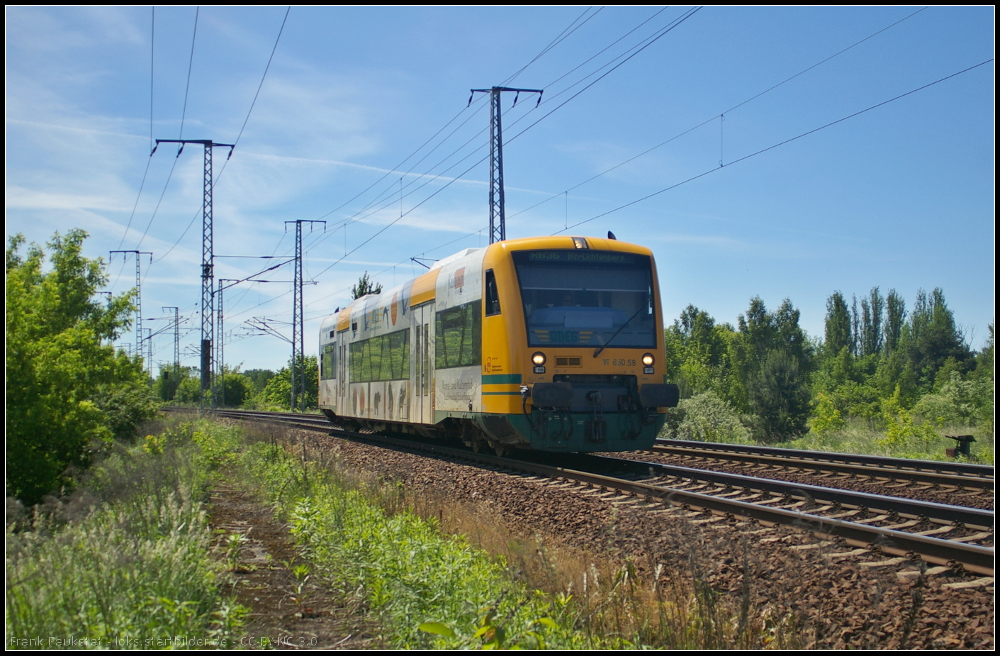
696, 350
826, 416
276, 395
932, 338
895, 317
169, 380
872, 336
838, 325
189, 389
258, 379
364, 287
761, 335
779, 398
67, 390
234, 389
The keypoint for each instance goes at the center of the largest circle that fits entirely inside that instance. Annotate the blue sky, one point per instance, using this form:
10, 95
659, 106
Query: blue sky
900, 197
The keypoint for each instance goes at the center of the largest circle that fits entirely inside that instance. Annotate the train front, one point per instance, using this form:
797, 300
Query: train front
573, 356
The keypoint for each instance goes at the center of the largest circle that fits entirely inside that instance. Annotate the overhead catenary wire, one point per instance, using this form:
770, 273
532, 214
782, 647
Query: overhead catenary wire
731, 109
558, 39
152, 34
723, 113
576, 24
634, 51
744, 102
187, 89
628, 55
778, 144
250, 111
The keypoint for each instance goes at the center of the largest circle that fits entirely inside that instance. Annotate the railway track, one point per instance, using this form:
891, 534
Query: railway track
942, 535
956, 476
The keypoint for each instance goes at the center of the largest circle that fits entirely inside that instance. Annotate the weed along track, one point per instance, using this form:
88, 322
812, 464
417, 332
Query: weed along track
829, 582
284, 610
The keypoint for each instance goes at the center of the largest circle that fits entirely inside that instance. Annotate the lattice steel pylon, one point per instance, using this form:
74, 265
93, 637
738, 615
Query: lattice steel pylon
298, 342
138, 299
177, 336
498, 224
220, 360
207, 263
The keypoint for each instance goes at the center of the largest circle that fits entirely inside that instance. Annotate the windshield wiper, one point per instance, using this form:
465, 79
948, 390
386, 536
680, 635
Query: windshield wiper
605, 345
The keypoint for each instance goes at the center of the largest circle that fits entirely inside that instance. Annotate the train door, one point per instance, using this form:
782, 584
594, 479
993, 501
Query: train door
422, 368
342, 387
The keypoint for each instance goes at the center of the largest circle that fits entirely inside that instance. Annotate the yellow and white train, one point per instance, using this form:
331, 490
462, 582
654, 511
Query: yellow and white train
551, 343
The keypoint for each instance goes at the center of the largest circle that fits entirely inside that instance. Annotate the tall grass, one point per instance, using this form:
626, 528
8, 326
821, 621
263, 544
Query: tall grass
124, 562
858, 437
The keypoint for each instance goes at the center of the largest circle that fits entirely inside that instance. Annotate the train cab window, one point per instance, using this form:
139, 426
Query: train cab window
587, 298
492, 295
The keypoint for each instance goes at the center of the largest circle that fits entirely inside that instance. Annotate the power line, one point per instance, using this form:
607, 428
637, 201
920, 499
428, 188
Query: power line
152, 41
222, 170
558, 39
162, 194
394, 169
181, 137
758, 95
780, 143
138, 196
573, 26
635, 50
262, 78
190, 64
608, 47
715, 116
650, 41
629, 54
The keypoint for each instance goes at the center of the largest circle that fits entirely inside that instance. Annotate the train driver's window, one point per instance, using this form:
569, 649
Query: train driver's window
492, 295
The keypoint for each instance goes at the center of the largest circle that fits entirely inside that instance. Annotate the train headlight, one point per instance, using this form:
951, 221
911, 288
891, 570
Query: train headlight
648, 359
538, 359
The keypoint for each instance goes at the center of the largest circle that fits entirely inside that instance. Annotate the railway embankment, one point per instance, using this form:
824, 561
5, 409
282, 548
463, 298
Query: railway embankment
778, 585
312, 540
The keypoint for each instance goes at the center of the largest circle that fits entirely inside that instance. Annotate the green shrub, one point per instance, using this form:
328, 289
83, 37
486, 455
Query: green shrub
826, 417
706, 418
959, 401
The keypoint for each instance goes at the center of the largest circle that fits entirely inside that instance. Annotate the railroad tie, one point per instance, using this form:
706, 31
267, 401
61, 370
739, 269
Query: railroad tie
977, 583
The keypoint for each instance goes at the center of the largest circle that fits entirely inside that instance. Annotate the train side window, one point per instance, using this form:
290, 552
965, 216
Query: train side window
328, 362
492, 295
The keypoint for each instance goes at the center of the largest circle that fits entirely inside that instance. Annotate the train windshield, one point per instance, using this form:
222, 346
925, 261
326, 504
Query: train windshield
587, 298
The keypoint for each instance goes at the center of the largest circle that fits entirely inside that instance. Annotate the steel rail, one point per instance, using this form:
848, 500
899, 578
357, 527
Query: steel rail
889, 464
974, 558
918, 476
911, 508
